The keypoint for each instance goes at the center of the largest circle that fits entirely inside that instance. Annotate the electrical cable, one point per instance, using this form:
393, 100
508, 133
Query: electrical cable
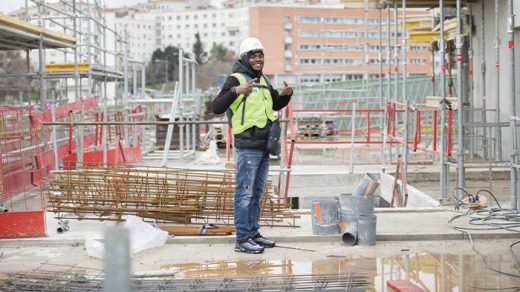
491, 195
494, 289
494, 219
459, 201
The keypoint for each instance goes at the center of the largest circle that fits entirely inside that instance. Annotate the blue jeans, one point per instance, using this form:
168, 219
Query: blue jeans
252, 172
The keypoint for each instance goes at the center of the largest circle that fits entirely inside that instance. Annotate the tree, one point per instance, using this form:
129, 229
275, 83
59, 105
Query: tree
218, 53
198, 49
171, 55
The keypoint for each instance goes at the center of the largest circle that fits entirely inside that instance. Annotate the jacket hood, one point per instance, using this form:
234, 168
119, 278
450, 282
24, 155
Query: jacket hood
244, 67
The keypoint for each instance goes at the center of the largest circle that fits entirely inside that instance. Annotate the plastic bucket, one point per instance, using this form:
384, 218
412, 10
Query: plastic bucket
325, 217
367, 186
350, 234
357, 204
367, 229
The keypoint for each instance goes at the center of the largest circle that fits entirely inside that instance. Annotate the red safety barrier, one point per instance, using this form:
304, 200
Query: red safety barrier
420, 123
370, 133
21, 190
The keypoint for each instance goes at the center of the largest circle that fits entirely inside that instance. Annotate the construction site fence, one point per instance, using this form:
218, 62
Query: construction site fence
424, 126
21, 193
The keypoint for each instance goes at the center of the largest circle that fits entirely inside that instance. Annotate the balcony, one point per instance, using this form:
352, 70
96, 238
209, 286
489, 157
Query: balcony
288, 40
287, 26
288, 68
288, 54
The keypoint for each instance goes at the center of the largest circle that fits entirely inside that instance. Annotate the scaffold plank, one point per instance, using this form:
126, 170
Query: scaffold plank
18, 24
68, 67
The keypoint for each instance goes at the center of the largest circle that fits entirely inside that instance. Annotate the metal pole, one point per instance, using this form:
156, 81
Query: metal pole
135, 79
497, 84
41, 60
104, 129
389, 79
405, 98
28, 67
459, 41
175, 102
143, 79
382, 102
471, 86
433, 60
180, 98
512, 104
352, 134
483, 68
55, 140
367, 47
125, 64
396, 67
89, 47
442, 48
80, 131
117, 260
196, 106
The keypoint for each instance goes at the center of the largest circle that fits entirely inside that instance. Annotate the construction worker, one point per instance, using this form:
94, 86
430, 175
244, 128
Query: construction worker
249, 100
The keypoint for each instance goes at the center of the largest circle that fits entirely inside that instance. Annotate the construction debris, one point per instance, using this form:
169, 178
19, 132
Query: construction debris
169, 195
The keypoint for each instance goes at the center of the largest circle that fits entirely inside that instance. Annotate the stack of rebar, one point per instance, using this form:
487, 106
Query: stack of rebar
73, 281
169, 195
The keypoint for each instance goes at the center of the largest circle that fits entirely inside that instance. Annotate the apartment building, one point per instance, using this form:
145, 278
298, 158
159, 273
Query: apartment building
156, 28
305, 44
317, 45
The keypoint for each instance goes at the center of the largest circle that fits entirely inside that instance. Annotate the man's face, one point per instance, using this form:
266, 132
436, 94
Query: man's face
257, 61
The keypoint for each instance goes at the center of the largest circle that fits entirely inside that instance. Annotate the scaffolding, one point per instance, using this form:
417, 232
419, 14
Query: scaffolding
479, 141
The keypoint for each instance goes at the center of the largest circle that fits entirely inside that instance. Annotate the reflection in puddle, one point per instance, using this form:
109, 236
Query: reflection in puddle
431, 272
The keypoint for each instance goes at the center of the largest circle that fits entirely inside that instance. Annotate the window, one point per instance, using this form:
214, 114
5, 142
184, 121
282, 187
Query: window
334, 34
416, 48
333, 20
310, 47
187, 17
309, 33
310, 19
169, 18
286, 19
205, 25
314, 78
178, 17
310, 61
353, 20
418, 61
195, 16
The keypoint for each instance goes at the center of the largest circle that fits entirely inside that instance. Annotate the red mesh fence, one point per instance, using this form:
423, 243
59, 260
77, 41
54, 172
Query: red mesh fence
21, 193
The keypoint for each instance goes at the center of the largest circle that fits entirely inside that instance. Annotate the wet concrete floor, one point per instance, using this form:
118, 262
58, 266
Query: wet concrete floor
429, 271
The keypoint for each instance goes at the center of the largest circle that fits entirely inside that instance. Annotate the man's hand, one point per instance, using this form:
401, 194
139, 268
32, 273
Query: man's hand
246, 88
286, 90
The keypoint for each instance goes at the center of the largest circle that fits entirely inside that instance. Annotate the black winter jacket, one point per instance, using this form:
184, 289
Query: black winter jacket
254, 137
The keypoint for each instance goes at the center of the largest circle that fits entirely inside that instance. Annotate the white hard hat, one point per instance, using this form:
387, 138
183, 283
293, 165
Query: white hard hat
250, 44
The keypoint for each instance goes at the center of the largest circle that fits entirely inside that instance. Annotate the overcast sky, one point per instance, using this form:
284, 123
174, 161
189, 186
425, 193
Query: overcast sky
7, 6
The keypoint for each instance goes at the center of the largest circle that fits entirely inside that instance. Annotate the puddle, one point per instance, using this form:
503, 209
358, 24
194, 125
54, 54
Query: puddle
431, 272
